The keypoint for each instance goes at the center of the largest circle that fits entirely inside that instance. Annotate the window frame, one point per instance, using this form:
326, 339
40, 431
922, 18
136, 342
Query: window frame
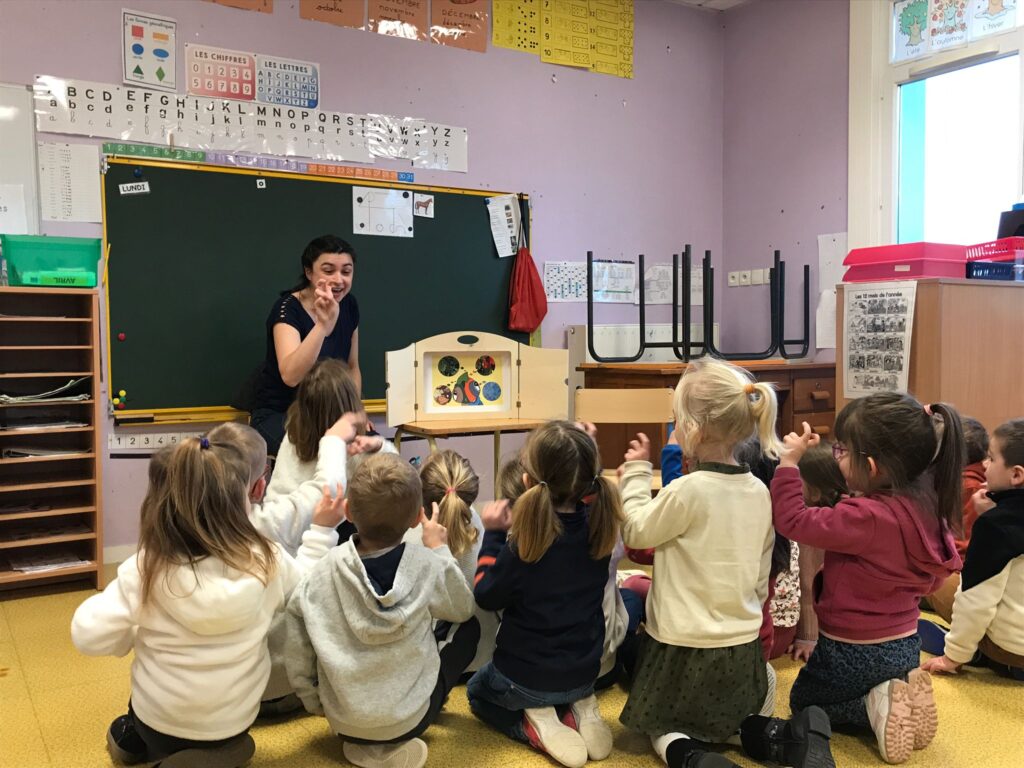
873, 159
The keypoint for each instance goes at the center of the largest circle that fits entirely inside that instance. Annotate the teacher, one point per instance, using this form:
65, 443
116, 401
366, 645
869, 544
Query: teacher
316, 319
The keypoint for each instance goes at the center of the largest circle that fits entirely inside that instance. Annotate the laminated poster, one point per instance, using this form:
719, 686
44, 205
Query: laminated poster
341, 13
516, 25
218, 72
148, 50
460, 23
382, 212
909, 29
565, 32
990, 17
947, 24
877, 325
399, 18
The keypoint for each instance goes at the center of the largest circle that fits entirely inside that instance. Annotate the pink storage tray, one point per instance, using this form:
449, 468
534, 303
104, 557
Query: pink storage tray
907, 261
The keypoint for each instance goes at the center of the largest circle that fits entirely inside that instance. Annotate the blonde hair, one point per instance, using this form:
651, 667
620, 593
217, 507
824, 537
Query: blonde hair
247, 441
201, 510
384, 498
449, 480
562, 463
716, 402
322, 397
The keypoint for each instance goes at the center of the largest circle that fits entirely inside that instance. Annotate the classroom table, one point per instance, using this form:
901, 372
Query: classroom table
431, 430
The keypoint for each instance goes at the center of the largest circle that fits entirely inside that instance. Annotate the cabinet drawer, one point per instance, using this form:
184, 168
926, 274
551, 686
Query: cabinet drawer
817, 394
821, 423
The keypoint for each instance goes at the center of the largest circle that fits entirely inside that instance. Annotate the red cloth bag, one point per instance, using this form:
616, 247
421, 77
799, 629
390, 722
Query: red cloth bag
527, 302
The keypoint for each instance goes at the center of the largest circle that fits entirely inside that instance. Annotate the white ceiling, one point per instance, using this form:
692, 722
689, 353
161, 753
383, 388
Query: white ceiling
711, 5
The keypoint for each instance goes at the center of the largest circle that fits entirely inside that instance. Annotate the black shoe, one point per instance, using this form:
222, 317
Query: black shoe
802, 742
124, 743
283, 705
685, 753
702, 759
233, 753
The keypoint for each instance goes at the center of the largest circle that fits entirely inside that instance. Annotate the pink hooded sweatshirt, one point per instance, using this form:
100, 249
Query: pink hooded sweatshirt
882, 554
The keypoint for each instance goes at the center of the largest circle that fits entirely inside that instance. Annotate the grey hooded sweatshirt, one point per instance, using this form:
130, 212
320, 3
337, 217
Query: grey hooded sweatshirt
369, 662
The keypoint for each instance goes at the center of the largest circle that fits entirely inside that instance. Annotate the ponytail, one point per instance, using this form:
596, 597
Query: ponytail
535, 526
450, 482
764, 406
605, 518
948, 465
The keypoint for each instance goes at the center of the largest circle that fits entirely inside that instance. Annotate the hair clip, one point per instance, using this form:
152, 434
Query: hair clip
928, 409
204, 442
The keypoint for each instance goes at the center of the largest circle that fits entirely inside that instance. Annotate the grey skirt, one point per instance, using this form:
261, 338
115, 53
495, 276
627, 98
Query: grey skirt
702, 692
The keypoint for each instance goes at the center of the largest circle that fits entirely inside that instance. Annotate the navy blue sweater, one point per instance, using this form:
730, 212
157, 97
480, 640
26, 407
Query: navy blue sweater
552, 628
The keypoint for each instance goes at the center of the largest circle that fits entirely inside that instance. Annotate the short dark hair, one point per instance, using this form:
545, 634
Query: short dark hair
976, 439
384, 497
820, 471
1010, 435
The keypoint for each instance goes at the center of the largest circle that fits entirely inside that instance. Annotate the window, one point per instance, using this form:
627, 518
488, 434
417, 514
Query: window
958, 144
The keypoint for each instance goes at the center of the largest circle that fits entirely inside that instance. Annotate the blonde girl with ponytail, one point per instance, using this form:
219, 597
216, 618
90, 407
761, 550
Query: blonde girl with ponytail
711, 531
195, 604
547, 568
450, 487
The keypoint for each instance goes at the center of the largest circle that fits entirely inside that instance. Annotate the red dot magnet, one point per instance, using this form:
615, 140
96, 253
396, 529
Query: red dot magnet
121, 337
120, 406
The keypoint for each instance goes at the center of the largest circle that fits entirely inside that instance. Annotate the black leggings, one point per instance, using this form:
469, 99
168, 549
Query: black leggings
160, 745
455, 657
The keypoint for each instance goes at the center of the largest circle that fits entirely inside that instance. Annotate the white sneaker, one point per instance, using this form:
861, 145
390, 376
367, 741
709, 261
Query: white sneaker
595, 731
407, 754
891, 718
549, 734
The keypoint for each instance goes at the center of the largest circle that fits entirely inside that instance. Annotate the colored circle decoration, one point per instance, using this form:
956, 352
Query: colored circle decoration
443, 395
492, 391
448, 365
485, 365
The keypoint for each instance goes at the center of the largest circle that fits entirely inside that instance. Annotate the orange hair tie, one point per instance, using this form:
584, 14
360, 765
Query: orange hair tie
749, 388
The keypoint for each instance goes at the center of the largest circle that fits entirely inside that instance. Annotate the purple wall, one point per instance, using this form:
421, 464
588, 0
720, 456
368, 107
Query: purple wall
615, 166
785, 117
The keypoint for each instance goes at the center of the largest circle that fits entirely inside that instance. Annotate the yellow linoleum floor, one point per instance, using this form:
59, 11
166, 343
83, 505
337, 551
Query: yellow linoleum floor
56, 704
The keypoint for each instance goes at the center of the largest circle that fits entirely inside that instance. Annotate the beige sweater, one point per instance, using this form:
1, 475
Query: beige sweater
712, 537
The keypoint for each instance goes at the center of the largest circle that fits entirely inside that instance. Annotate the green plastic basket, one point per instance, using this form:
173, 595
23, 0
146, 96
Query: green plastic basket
39, 260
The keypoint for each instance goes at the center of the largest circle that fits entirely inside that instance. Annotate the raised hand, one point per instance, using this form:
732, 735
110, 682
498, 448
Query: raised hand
796, 445
434, 534
639, 449
347, 427
497, 515
587, 427
325, 308
365, 444
329, 511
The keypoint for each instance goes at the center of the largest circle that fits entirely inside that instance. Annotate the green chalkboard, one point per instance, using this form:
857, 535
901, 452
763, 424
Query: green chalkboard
197, 262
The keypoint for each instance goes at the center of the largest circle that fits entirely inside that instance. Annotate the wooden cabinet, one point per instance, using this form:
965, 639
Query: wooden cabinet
806, 393
50, 457
966, 349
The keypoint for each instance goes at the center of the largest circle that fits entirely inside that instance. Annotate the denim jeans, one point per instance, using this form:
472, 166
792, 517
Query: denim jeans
499, 702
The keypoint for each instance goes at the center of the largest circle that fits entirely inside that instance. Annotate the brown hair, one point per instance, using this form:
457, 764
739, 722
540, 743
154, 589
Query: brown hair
384, 498
716, 402
975, 438
900, 435
1010, 435
562, 462
247, 441
322, 397
449, 480
820, 471
200, 511
510, 479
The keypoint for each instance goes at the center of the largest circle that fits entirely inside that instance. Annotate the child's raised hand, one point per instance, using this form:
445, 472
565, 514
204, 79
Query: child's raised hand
981, 502
329, 512
796, 445
587, 427
347, 427
434, 534
639, 449
365, 444
497, 515
941, 664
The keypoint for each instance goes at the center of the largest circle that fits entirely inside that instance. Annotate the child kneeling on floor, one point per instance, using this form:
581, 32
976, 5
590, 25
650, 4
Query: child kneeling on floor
360, 647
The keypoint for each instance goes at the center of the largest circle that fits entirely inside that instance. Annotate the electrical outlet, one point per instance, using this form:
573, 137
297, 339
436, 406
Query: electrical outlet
757, 277
734, 279
745, 277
